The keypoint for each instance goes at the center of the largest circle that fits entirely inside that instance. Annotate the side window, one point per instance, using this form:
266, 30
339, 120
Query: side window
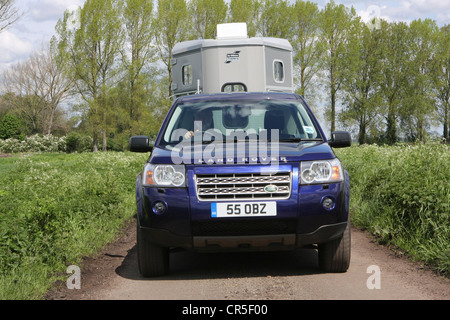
234, 87
278, 71
187, 75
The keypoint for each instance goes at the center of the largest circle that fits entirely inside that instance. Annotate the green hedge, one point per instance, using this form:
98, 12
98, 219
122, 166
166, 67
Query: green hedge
402, 195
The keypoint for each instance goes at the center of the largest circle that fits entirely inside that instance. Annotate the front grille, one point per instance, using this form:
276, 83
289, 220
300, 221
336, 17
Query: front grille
243, 186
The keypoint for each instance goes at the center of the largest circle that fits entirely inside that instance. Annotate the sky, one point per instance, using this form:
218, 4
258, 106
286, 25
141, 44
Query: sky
33, 30
37, 24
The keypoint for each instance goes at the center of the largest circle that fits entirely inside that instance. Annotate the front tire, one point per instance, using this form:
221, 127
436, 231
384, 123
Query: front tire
334, 256
153, 260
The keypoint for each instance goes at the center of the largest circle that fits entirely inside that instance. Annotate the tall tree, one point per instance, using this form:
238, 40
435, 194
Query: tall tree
276, 19
307, 51
93, 50
441, 79
245, 11
52, 83
419, 105
335, 29
22, 82
394, 73
205, 16
362, 96
170, 28
138, 18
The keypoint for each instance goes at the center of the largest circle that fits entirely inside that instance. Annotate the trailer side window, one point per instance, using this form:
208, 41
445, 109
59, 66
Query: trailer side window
187, 74
234, 87
278, 71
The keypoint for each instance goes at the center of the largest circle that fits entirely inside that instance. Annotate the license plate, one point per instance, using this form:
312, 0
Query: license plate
243, 209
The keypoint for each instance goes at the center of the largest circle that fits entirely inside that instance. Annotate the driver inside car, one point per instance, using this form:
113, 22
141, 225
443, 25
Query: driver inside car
203, 120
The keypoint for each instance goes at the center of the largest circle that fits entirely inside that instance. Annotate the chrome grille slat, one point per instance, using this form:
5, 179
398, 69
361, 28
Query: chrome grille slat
243, 186
264, 180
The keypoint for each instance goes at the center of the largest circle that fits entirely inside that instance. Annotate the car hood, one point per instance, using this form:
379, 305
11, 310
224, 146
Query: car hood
242, 154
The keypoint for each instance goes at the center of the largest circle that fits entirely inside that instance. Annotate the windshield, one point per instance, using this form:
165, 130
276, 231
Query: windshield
271, 120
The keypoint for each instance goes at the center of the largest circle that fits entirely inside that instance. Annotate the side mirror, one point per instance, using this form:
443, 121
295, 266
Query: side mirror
140, 144
340, 139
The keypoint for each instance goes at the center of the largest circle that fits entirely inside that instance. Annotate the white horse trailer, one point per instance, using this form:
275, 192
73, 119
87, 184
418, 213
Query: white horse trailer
232, 62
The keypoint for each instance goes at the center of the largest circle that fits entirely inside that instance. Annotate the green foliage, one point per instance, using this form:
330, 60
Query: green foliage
91, 53
337, 23
10, 127
56, 209
171, 21
441, 79
401, 194
276, 19
76, 142
306, 22
362, 99
245, 11
206, 15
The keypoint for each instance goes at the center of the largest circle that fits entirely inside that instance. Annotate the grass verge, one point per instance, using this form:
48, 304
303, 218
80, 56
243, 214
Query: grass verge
401, 194
57, 208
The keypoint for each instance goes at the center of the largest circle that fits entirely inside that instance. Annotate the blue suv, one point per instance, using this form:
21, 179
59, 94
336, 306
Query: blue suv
241, 171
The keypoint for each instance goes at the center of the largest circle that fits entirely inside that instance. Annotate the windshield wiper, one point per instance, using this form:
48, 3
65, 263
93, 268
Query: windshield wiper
209, 141
283, 140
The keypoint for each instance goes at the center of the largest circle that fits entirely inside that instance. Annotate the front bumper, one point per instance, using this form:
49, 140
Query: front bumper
301, 220
243, 243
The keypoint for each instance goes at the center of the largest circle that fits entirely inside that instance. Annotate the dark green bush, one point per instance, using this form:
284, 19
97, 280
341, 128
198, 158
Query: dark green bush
76, 142
10, 127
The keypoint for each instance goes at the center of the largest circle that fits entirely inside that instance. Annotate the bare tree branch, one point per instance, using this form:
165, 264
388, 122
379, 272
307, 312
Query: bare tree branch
8, 14
38, 86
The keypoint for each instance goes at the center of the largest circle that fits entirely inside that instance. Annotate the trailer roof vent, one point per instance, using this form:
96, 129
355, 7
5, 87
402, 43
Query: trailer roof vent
227, 31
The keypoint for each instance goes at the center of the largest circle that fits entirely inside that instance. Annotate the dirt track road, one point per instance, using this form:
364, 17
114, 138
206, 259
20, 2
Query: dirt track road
257, 276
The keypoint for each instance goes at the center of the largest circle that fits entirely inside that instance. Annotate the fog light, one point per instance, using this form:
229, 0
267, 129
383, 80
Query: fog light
328, 203
159, 207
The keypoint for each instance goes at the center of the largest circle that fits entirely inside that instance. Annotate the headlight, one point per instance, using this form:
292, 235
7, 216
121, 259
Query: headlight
323, 171
164, 175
